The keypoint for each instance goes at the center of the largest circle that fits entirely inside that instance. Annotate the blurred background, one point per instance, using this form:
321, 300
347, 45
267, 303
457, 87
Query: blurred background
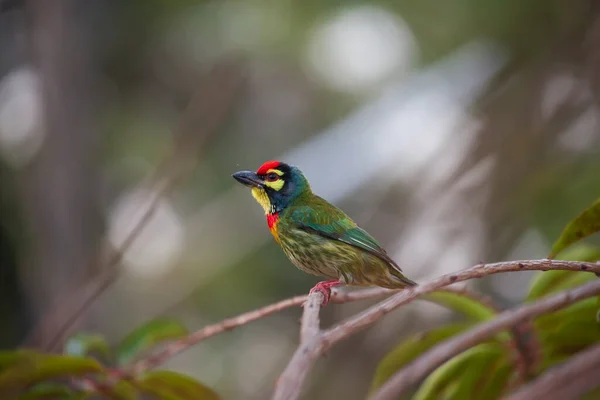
454, 131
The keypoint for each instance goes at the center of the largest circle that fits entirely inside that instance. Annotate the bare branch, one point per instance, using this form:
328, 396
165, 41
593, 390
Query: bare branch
178, 346
337, 297
290, 382
373, 314
205, 111
418, 369
570, 380
310, 326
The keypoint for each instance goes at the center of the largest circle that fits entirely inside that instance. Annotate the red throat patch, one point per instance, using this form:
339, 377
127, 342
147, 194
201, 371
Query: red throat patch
272, 220
267, 166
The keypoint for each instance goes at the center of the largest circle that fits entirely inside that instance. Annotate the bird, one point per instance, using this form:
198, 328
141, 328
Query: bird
316, 236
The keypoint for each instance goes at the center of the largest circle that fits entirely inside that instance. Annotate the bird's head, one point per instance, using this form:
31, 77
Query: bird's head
274, 185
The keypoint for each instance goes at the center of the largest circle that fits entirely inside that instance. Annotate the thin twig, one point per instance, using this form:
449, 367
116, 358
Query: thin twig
178, 346
205, 111
414, 372
337, 297
228, 324
570, 380
373, 314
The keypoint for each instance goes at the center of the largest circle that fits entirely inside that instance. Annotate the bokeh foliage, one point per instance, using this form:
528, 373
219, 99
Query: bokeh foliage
534, 186
492, 369
89, 368
486, 371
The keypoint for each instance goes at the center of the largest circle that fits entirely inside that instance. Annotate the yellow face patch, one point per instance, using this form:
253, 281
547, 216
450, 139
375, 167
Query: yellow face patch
273, 181
275, 184
262, 198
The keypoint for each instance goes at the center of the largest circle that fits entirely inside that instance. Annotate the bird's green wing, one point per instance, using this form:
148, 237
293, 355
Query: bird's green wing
326, 220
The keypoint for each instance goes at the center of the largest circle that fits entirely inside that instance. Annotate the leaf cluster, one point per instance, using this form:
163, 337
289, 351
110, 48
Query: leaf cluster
90, 368
493, 368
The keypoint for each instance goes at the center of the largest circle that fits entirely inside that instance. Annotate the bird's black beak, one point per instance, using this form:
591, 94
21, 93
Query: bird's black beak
248, 178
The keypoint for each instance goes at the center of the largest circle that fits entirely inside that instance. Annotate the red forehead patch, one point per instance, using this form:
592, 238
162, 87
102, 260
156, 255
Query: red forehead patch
267, 166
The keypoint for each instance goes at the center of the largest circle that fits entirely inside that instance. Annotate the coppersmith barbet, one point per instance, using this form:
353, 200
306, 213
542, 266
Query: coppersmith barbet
315, 235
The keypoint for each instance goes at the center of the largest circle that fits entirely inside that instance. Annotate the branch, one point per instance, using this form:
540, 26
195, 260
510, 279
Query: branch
178, 346
570, 380
523, 343
373, 314
310, 324
289, 383
337, 297
417, 370
194, 338
206, 110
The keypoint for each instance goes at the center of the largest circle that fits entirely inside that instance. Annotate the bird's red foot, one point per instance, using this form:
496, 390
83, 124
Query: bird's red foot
325, 288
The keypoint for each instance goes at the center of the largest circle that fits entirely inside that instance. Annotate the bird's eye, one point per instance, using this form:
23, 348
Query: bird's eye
272, 177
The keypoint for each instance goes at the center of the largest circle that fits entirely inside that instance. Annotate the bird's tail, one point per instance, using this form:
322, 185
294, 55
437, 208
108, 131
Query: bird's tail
397, 272
404, 281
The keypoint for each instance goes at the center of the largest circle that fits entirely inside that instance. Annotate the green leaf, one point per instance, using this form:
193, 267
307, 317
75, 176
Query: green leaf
459, 376
568, 331
147, 336
549, 282
412, 348
473, 309
484, 379
170, 385
34, 368
584, 309
48, 390
10, 358
580, 252
551, 358
594, 394
582, 329
498, 379
123, 391
585, 224
82, 344
567, 337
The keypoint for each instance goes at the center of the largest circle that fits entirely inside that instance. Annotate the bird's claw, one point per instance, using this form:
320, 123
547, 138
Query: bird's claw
325, 289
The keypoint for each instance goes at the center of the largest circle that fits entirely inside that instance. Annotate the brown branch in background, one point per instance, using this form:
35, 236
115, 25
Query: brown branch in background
58, 188
205, 112
417, 370
523, 344
373, 314
570, 380
528, 352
